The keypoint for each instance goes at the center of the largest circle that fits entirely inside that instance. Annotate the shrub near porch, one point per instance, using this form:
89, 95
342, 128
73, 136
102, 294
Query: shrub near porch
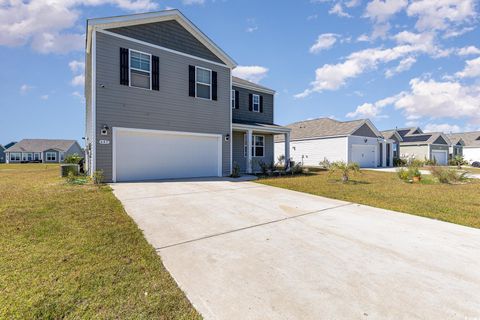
453, 203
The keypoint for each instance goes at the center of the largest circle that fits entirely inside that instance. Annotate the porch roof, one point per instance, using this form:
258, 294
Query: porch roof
259, 127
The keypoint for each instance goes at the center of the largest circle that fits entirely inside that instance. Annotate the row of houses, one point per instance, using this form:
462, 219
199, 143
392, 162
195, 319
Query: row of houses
39, 150
314, 141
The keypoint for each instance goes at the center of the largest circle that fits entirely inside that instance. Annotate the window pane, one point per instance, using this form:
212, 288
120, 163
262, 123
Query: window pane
259, 141
203, 91
259, 151
140, 79
140, 61
203, 76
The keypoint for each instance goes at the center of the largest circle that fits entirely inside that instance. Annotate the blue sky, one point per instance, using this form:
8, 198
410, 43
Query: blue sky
397, 62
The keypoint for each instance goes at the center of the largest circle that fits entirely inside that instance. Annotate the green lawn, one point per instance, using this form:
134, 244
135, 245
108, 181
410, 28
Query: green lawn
71, 251
454, 203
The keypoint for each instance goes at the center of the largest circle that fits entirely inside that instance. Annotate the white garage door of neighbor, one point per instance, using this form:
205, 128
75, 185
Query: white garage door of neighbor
151, 154
364, 155
440, 156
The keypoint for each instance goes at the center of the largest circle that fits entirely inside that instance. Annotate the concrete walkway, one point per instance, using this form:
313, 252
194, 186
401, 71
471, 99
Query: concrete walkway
241, 250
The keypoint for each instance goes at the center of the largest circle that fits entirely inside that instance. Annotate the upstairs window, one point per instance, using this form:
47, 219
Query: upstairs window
256, 103
140, 70
203, 82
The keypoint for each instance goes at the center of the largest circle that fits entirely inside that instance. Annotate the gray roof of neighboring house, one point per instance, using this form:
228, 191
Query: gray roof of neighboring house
243, 82
8, 145
2, 147
388, 134
423, 138
40, 145
322, 127
471, 139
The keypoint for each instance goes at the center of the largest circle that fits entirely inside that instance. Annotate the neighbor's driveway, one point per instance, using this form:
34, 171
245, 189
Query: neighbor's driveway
242, 250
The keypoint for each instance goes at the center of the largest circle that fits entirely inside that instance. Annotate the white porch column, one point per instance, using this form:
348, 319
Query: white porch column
287, 150
384, 154
391, 156
249, 151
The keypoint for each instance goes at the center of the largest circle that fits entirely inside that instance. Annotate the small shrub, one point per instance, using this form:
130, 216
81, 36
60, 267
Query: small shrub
297, 168
448, 175
71, 176
398, 162
325, 163
345, 169
432, 162
458, 161
266, 168
409, 173
73, 158
98, 177
403, 174
415, 163
235, 170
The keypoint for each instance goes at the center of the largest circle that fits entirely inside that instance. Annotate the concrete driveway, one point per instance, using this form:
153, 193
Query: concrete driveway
241, 250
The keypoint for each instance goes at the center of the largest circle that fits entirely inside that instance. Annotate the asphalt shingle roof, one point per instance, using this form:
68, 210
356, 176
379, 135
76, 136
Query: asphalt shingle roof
321, 127
471, 139
40, 145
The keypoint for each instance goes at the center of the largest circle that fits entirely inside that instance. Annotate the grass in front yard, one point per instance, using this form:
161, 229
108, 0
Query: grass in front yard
454, 203
71, 251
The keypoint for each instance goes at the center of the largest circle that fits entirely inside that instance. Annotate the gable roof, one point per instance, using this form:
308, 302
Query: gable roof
470, 139
425, 138
40, 145
8, 145
388, 134
242, 83
151, 17
325, 127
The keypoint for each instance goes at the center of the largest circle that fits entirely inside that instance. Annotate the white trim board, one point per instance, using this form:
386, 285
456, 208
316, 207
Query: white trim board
253, 88
160, 47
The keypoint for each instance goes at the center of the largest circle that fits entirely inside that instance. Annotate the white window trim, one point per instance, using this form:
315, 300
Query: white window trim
253, 103
50, 153
140, 70
205, 84
19, 154
36, 154
254, 151
233, 98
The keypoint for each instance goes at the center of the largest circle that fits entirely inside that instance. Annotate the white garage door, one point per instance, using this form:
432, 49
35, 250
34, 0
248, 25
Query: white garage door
364, 155
151, 154
440, 156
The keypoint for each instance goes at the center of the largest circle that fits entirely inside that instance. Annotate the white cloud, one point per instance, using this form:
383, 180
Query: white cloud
352, 3
334, 76
371, 110
251, 73
470, 50
77, 66
363, 38
78, 80
380, 11
471, 70
46, 24
190, 2
441, 14
404, 65
337, 9
324, 41
25, 88
252, 25
251, 29
44, 97
312, 17
443, 127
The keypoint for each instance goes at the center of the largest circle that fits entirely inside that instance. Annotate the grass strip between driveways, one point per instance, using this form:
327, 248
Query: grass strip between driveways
71, 251
458, 204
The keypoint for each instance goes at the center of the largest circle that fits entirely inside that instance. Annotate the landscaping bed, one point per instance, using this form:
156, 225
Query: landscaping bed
70, 251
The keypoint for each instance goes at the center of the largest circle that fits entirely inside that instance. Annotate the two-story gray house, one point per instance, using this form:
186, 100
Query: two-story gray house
161, 102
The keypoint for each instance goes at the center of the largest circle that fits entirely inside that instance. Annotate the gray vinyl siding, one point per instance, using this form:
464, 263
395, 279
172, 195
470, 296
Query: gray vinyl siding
243, 114
88, 115
168, 34
171, 108
364, 131
238, 154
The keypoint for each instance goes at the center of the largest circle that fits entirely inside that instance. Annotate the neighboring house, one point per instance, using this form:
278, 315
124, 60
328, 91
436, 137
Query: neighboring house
396, 138
2, 154
313, 141
162, 102
456, 146
424, 146
11, 144
471, 146
42, 150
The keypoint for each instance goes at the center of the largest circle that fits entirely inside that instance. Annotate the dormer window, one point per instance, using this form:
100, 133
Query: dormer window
140, 71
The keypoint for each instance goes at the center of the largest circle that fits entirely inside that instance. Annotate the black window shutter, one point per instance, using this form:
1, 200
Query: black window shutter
155, 73
124, 66
237, 99
191, 81
261, 103
250, 102
214, 85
